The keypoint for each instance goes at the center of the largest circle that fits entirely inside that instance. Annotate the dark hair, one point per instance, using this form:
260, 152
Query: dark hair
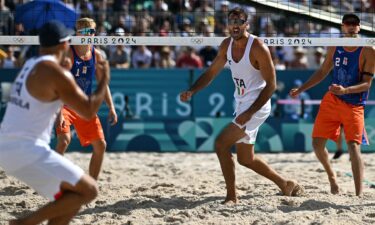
238, 12
350, 16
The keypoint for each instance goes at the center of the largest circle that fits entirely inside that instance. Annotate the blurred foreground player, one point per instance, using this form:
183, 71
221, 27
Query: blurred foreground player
36, 96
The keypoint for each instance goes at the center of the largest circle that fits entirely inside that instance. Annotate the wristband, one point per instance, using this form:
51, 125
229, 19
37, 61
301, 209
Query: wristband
367, 74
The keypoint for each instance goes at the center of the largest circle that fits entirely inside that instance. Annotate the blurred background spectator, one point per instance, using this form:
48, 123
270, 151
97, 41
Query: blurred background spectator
301, 110
189, 59
9, 61
142, 57
164, 58
300, 59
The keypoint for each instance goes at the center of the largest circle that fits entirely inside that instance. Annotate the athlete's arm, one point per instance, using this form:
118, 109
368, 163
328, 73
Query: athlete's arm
112, 116
66, 64
69, 60
63, 85
210, 73
367, 73
318, 76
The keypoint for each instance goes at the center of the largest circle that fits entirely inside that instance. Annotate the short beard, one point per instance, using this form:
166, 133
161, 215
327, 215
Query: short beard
239, 37
352, 35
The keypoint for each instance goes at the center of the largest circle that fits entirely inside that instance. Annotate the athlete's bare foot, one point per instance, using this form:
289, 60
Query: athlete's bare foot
230, 201
14, 222
334, 186
22, 221
292, 188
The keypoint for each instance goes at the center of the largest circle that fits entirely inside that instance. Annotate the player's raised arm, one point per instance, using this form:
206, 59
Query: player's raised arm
112, 115
210, 73
318, 76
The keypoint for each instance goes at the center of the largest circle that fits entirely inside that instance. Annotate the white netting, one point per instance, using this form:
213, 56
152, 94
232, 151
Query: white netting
191, 41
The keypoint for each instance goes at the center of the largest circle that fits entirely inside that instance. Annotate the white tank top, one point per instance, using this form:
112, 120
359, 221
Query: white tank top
247, 80
26, 116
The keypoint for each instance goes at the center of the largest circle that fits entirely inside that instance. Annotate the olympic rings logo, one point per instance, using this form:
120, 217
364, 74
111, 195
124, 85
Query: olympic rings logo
196, 41
370, 41
19, 39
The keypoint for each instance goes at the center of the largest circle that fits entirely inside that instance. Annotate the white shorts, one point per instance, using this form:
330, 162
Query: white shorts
252, 126
44, 172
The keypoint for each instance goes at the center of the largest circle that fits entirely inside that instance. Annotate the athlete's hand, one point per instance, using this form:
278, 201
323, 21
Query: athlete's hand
112, 116
337, 89
294, 92
186, 95
243, 118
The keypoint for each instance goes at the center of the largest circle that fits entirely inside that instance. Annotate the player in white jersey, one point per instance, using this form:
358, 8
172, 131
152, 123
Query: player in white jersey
254, 77
36, 96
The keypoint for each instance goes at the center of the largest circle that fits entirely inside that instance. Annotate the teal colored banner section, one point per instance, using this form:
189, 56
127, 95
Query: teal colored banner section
152, 118
198, 135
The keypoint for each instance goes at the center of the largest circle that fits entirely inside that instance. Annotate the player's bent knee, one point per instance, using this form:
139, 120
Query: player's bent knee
90, 188
317, 146
246, 162
353, 145
242, 162
100, 146
92, 193
103, 144
219, 147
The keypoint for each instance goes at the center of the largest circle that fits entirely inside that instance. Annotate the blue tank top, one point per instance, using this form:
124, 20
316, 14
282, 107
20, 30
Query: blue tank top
346, 72
83, 71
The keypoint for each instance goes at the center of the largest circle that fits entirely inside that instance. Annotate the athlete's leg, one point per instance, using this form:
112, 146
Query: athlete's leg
321, 153
63, 220
72, 199
63, 130
63, 141
97, 157
357, 165
339, 150
225, 140
247, 158
353, 126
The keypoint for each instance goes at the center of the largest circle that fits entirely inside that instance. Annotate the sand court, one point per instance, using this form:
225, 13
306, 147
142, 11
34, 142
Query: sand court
186, 188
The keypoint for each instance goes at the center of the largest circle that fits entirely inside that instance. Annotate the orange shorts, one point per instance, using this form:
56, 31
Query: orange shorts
87, 130
334, 112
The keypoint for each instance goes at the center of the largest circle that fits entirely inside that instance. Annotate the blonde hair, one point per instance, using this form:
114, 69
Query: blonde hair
85, 23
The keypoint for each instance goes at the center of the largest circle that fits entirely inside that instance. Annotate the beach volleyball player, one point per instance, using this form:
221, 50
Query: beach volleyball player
254, 78
343, 104
84, 59
36, 96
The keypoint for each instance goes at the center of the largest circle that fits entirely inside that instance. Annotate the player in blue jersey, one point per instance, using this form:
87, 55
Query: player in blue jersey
343, 104
83, 62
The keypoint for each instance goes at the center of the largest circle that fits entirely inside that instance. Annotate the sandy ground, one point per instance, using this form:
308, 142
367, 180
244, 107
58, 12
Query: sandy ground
183, 188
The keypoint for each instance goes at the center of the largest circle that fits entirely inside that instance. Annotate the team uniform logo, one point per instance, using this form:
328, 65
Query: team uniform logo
240, 86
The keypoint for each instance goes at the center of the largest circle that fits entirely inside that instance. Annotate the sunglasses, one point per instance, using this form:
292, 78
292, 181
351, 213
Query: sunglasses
237, 22
351, 23
85, 31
